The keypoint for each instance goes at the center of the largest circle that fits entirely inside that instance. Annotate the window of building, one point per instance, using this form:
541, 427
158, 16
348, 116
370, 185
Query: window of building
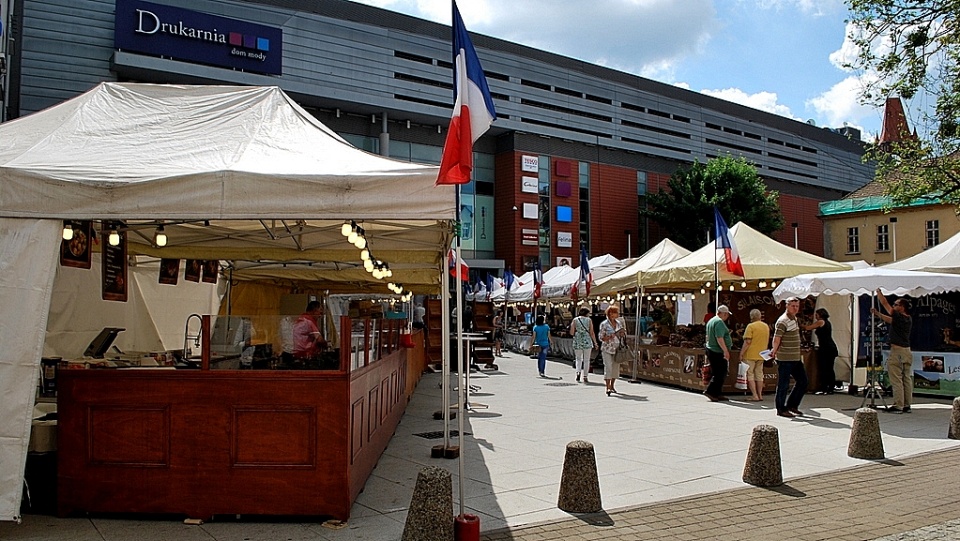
883, 238
370, 144
543, 213
933, 233
642, 226
853, 240
585, 204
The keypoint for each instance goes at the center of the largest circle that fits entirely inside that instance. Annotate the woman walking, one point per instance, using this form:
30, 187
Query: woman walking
612, 332
755, 339
541, 337
584, 340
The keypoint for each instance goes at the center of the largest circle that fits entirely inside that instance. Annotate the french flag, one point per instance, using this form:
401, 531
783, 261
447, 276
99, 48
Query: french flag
473, 110
725, 241
462, 267
586, 276
537, 280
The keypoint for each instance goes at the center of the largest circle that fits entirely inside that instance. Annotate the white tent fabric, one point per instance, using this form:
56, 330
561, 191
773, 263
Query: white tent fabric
761, 256
28, 255
262, 156
664, 252
234, 173
557, 282
944, 257
78, 313
866, 281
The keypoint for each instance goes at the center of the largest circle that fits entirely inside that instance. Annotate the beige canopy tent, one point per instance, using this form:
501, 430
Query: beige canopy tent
944, 257
762, 257
239, 174
628, 277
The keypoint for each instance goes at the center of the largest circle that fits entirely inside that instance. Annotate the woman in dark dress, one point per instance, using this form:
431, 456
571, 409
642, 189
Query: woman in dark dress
826, 351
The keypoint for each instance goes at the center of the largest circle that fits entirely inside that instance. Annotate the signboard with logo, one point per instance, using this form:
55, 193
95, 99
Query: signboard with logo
531, 237
564, 239
529, 185
192, 36
530, 164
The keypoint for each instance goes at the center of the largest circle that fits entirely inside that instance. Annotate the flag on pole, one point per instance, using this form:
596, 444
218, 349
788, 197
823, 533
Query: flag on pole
508, 279
724, 240
586, 276
489, 286
537, 280
462, 267
473, 110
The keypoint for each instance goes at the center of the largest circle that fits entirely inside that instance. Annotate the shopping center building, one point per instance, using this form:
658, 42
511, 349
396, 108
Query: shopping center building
568, 162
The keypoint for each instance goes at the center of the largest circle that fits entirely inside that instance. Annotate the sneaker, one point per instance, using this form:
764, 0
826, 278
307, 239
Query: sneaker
894, 409
585, 379
578, 376
785, 414
542, 375
906, 409
796, 412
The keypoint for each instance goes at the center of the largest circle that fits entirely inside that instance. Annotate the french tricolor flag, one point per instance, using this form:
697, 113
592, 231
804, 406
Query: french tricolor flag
725, 242
473, 110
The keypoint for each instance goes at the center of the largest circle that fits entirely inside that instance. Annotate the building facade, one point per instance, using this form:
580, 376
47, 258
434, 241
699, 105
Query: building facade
568, 162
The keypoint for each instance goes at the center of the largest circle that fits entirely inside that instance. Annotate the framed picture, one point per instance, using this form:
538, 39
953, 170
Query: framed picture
76, 251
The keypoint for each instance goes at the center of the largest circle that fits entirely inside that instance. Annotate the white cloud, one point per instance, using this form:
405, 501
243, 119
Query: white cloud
764, 101
840, 105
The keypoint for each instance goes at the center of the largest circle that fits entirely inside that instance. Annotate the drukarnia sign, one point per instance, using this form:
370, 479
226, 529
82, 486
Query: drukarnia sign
199, 37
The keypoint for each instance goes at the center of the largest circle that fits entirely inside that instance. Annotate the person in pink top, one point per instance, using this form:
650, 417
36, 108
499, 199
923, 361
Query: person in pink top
308, 341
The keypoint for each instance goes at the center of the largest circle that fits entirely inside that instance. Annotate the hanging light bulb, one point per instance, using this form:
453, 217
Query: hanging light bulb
67, 231
368, 265
361, 242
365, 255
707, 284
692, 297
352, 237
703, 291
762, 284
114, 237
377, 273
346, 228
160, 237
773, 284
731, 286
743, 284
388, 273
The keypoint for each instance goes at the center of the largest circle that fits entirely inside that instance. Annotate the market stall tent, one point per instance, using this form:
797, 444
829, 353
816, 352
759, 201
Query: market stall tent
762, 257
627, 278
239, 174
944, 257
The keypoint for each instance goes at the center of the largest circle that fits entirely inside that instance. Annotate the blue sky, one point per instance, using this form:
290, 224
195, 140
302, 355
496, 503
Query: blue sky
781, 56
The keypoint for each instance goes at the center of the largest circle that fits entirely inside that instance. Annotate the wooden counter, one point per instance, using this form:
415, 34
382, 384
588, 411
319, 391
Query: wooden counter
200, 443
683, 367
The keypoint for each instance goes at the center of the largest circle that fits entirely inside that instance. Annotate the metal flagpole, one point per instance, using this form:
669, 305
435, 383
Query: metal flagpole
461, 357
445, 348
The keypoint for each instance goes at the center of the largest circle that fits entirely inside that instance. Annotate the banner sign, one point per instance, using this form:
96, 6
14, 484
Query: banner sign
191, 36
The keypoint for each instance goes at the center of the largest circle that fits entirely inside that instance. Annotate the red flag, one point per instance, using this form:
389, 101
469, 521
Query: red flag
463, 268
725, 242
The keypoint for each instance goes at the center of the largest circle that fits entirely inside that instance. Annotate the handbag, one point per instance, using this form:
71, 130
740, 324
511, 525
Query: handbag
624, 354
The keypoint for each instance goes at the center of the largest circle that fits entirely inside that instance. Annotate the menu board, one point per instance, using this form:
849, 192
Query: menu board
76, 251
114, 282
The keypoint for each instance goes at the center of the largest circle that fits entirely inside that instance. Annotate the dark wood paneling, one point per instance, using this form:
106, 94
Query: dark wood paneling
257, 429
129, 435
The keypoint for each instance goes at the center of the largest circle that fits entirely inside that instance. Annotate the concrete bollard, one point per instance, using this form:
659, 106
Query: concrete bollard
954, 431
430, 517
579, 483
763, 467
865, 440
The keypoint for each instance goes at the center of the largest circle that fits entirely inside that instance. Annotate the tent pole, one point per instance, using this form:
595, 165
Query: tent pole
445, 348
464, 364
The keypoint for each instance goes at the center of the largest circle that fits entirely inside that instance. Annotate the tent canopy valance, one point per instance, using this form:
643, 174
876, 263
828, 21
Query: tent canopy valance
763, 258
627, 278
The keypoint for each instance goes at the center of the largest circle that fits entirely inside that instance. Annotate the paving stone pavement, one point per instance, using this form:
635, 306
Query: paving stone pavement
887, 500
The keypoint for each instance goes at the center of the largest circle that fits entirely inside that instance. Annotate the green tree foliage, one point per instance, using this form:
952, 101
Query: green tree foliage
911, 49
730, 184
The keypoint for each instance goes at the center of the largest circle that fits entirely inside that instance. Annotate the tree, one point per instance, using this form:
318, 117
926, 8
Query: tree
911, 49
730, 184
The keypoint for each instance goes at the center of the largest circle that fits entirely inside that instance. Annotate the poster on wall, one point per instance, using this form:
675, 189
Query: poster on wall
76, 251
211, 268
191, 272
169, 271
483, 223
467, 212
114, 267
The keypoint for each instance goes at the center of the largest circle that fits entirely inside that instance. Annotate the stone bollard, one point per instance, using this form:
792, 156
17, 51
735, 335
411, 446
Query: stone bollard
865, 440
763, 467
954, 431
430, 517
579, 483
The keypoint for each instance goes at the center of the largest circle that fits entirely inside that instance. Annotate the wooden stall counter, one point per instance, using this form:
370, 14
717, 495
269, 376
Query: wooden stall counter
683, 367
200, 443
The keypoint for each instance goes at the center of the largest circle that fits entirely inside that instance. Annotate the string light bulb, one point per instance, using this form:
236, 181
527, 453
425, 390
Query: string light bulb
347, 227
160, 237
743, 284
762, 284
114, 237
365, 255
67, 232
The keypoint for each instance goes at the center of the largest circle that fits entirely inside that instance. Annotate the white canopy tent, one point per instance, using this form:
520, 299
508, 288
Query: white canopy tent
763, 258
557, 282
944, 257
627, 278
238, 174
844, 286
